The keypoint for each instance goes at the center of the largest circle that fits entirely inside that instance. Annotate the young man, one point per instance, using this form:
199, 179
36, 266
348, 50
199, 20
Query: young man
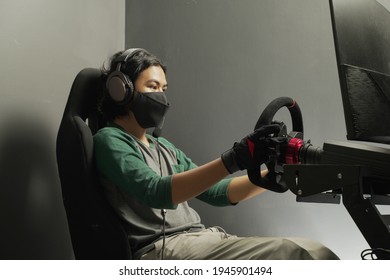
148, 180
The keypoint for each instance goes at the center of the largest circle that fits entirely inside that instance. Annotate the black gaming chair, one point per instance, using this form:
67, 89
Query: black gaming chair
96, 231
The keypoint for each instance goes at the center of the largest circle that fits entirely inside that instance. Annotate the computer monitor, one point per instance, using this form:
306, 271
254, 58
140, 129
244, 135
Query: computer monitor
361, 31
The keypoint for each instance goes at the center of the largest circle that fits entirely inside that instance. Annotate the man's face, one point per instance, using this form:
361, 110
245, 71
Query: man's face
151, 79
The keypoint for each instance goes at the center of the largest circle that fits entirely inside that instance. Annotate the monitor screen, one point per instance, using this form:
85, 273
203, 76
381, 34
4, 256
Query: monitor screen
361, 31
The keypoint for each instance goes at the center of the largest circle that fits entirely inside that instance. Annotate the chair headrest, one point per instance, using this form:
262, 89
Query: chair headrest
86, 90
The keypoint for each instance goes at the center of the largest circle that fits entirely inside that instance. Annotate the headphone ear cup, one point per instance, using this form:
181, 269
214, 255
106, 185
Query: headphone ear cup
119, 87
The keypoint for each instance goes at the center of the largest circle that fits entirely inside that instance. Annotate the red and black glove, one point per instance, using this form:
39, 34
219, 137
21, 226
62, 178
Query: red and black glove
253, 150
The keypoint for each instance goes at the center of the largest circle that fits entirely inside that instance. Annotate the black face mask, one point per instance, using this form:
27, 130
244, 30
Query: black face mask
149, 108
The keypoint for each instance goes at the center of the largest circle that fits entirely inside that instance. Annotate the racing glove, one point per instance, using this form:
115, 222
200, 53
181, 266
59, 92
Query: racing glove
252, 151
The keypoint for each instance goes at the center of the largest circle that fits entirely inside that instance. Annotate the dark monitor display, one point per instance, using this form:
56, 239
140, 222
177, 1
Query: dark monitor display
361, 31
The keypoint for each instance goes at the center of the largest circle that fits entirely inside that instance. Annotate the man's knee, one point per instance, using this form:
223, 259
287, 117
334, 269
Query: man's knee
276, 249
316, 249
289, 250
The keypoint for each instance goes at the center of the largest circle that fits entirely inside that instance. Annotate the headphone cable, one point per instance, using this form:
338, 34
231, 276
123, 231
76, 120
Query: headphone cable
163, 214
163, 211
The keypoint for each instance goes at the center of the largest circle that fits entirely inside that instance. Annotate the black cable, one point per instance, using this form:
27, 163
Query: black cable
163, 211
375, 254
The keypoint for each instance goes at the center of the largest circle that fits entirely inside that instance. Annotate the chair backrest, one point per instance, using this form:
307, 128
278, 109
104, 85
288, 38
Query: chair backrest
96, 231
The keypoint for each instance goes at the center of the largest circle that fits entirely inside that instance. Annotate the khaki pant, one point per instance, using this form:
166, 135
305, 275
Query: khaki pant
215, 244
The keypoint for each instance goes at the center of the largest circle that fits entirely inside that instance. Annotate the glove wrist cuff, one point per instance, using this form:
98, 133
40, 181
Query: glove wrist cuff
229, 160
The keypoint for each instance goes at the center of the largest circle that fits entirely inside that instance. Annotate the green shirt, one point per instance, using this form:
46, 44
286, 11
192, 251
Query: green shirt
138, 182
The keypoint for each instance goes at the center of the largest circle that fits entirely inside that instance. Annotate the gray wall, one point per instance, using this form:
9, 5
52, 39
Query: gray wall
43, 45
226, 61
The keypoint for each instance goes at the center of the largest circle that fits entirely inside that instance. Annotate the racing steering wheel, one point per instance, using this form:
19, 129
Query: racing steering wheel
287, 153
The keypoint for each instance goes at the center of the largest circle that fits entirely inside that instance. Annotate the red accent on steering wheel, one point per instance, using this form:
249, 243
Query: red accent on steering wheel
292, 150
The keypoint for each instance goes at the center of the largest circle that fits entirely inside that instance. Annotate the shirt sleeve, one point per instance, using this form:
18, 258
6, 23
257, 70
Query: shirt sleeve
119, 160
217, 195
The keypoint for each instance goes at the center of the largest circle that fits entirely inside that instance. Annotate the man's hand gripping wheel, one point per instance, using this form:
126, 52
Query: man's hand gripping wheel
282, 147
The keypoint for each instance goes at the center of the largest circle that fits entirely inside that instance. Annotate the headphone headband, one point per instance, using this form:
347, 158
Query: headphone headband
127, 54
